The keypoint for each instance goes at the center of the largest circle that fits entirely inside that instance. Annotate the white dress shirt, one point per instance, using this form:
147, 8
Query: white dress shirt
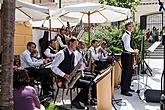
78, 56
59, 57
126, 38
48, 54
94, 54
26, 60
102, 56
60, 42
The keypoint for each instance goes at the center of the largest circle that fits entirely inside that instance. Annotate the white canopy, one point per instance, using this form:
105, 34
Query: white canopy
95, 13
55, 23
98, 13
26, 11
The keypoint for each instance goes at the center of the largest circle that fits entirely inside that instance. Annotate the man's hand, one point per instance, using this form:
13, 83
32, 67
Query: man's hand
136, 51
47, 60
67, 77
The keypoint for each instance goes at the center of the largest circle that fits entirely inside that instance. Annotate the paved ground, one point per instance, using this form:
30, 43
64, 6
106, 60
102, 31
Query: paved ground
134, 102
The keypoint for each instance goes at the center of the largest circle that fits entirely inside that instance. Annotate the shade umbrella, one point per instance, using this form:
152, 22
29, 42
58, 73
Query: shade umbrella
95, 13
55, 23
27, 11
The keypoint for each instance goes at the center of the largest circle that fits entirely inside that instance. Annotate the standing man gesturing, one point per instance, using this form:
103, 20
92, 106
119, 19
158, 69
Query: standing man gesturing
126, 59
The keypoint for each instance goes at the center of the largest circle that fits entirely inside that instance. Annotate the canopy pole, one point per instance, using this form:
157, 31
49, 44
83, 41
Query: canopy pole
89, 26
50, 29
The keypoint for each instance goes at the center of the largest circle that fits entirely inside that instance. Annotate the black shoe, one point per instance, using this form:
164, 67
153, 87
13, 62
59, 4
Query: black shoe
93, 102
77, 105
126, 94
94, 99
131, 90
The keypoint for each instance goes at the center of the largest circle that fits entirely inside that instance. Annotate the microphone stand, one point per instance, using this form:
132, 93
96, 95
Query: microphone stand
117, 101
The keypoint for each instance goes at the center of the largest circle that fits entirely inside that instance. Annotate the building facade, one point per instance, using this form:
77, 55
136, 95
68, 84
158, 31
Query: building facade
55, 3
148, 15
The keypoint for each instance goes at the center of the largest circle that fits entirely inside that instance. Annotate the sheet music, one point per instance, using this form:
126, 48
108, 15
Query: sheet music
154, 46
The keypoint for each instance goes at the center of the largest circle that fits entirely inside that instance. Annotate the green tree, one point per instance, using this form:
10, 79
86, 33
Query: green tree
7, 30
131, 4
113, 36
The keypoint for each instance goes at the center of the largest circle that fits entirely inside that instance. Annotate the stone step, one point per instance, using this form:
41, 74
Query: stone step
154, 57
155, 54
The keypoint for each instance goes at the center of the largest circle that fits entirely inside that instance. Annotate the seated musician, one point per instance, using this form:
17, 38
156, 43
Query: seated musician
103, 54
33, 70
35, 58
95, 55
63, 65
51, 50
87, 75
61, 39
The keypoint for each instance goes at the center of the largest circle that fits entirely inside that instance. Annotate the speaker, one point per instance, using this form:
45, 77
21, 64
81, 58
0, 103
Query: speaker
152, 95
143, 22
163, 41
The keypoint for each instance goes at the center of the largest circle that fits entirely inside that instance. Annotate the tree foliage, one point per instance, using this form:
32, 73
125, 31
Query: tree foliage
113, 36
131, 4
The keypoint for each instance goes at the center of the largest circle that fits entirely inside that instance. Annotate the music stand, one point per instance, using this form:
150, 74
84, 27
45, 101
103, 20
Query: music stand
151, 49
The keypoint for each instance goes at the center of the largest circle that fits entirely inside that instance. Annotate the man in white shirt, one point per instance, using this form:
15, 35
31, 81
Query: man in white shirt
61, 39
126, 59
33, 70
51, 50
63, 64
88, 75
103, 54
93, 52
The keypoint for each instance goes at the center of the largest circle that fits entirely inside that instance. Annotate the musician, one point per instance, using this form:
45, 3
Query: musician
87, 75
95, 55
51, 50
61, 39
33, 70
103, 54
63, 64
126, 59
35, 58
80, 51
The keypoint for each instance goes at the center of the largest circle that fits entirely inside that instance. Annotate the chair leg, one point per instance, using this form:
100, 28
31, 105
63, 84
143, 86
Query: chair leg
63, 95
55, 96
71, 98
77, 90
67, 91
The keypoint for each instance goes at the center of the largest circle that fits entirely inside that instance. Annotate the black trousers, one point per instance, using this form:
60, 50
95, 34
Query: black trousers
90, 77
45, 77
83, 94
126, 61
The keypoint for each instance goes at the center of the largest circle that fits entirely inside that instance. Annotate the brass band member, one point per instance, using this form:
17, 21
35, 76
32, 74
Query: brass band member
61, 39
95, 55
51, 50
103, 54
63, 64
126, 60
33, 67
79, 53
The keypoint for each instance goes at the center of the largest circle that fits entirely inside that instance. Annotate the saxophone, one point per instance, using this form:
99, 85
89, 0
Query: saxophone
75, 74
